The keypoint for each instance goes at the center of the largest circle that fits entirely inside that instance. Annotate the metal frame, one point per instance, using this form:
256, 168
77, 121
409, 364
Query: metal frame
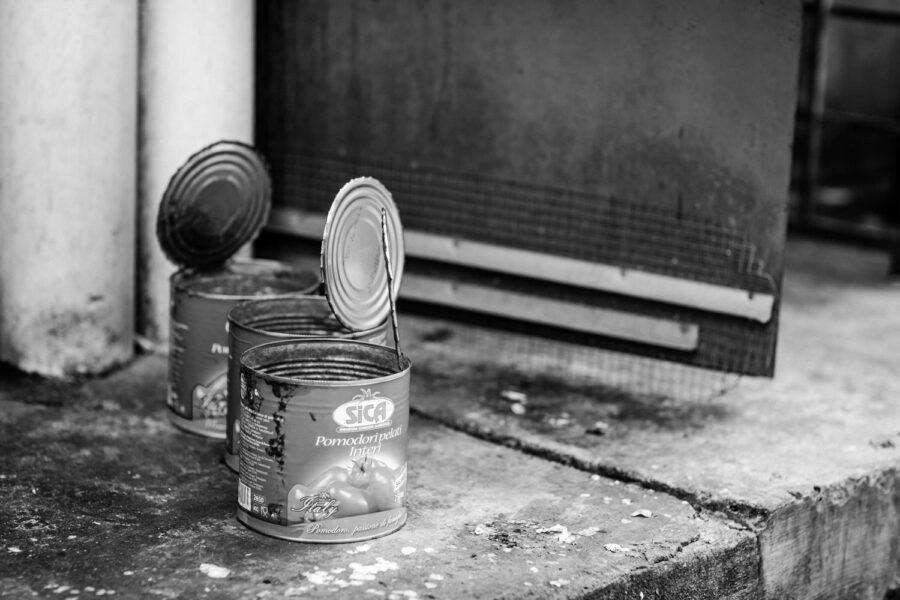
812, 111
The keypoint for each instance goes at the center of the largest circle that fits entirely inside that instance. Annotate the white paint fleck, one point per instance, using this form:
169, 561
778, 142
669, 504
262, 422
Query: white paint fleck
626, 521
360, 548
595, 477
564, 537
407, 550
360, 572
14, 549
584, 496
436, 577
616, 548
514, 396
319, 577
214, 571
559, 582
533, 569
62, 589
528, 584
430, 585
72, 537
127, 572
89, 588
429, 550
517, 409
642, 513
626, 500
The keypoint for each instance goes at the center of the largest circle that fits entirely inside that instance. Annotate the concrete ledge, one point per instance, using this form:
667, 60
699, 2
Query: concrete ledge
102, 493
809, 460
785, 488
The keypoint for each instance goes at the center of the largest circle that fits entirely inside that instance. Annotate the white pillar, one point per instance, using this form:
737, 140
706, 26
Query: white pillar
196, 88
68, 114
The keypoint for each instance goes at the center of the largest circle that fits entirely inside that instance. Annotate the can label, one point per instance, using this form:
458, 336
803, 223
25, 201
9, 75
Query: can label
197, 394
324, 464
240, 339
198, 362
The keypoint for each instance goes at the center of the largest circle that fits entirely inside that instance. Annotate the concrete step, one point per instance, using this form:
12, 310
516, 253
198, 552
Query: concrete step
808, 461
102, 493
776, 489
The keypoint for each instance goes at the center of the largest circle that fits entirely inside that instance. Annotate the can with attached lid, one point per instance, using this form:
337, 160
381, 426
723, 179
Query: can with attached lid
324, 429
215, 203
257, 322
323, 423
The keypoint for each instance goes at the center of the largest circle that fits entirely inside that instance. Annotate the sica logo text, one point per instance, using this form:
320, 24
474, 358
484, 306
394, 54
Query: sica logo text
367, 410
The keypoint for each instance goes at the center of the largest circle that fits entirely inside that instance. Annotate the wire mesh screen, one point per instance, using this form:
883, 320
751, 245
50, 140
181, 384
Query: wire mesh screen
543, 219
572, 153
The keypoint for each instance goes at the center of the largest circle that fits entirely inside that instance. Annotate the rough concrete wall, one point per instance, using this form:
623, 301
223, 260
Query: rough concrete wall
68, 121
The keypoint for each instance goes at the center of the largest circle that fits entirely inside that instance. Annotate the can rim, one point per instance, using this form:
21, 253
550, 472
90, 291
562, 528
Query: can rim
229, 165
234, 321
351, 259
178, 278
406, 363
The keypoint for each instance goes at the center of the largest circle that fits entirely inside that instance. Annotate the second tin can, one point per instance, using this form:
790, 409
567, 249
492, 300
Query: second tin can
198, 335
215, 204
323, 440
257, 322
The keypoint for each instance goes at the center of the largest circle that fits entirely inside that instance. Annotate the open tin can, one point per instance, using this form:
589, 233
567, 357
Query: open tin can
323, 421
214, 204
257, 322
324, 428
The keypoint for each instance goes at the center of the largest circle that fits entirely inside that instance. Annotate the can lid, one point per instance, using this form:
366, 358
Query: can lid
353, 267
216, 202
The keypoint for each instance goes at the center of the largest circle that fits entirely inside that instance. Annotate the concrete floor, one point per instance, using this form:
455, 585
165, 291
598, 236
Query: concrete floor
776, 489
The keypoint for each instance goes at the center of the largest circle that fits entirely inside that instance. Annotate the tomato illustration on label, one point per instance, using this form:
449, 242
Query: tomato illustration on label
351, 500
327, 477
378, 480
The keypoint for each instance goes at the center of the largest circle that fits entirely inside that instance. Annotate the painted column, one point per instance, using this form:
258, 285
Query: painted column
68, 127
197, 66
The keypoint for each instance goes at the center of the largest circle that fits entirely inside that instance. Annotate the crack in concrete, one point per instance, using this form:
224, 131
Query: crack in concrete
747, 516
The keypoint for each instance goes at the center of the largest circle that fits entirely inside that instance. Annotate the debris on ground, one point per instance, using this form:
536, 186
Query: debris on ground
514, 396
214, 571
598, 428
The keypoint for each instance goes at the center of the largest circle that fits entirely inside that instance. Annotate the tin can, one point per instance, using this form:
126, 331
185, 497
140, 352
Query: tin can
323, 440
214, 204
198, 338
257, 322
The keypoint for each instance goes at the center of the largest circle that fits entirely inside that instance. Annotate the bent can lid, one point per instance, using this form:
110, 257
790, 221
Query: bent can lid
216, 202
352, 260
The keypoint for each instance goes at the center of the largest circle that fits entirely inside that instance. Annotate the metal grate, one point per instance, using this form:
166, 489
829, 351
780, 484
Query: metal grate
566, 223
